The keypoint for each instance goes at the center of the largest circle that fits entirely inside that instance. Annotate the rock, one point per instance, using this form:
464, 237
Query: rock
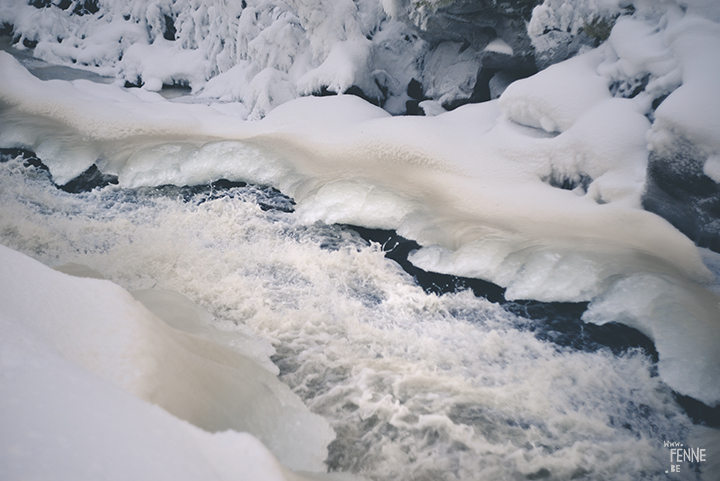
500, 81
28, 157
451, 72
678, 189
476, 23
469, 42
91, 179
559, 30
554, 47
415, 90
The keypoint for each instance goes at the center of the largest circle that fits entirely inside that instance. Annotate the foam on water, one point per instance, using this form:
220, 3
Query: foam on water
417, 386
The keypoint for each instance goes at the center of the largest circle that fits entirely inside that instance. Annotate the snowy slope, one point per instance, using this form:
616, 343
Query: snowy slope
78, 348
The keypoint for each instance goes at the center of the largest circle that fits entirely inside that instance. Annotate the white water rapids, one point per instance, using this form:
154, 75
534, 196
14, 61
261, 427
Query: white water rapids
416, 386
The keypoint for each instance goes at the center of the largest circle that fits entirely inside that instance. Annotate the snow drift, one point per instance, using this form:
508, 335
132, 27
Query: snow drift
79, 340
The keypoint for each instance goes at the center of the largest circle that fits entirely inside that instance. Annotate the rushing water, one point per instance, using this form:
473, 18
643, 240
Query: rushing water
417, 385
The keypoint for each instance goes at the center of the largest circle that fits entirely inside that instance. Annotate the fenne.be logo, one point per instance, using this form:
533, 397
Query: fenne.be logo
680, 454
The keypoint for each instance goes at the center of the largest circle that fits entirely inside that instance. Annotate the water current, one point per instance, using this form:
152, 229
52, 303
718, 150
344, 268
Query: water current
422, 377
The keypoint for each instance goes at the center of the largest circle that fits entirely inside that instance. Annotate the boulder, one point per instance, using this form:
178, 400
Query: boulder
470, 42
679, 190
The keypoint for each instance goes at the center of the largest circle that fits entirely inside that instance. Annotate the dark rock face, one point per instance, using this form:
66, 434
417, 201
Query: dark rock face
678, 190
91, 179
476, 23
459, 64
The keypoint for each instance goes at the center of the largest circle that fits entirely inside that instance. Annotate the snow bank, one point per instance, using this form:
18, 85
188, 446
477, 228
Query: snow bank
60, 421
80, 339
691, 111
682, 320
557, 97
260, 52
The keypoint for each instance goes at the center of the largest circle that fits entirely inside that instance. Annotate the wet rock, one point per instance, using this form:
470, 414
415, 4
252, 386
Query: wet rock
28, 157
91, 179
678, 190
476, 23
471, 41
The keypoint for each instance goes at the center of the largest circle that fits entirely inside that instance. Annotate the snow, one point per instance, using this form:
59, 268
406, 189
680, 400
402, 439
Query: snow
692, 110
712, 168
555, 23
82, 348
344, 66
60, 421
161, 64
570, 17
555, 98
500, 46
432, 107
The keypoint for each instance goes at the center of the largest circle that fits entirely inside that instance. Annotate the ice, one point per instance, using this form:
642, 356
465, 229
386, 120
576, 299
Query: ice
97, 327
181, 313
682, 321
60, 421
